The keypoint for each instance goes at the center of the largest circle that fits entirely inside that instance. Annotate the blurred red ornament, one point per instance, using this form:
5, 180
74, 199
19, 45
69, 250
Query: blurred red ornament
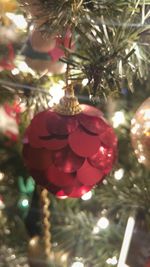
51, 44
140, 133
57, 52
7, 62
9, 120
69, 154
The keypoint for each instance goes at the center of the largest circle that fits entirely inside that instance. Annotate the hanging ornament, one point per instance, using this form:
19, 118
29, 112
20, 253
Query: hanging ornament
41, 42
42, 62
44, 56
140, 133
9, 120
70, 148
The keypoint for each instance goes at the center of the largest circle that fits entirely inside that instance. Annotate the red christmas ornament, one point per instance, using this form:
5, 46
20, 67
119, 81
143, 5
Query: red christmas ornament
69, 154
7, 61
10, 119
57, 52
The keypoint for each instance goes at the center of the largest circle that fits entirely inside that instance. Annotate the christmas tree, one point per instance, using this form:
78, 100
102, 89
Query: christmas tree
74, 178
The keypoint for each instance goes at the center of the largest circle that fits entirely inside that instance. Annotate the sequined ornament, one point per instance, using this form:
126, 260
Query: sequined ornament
140, 133
69, 149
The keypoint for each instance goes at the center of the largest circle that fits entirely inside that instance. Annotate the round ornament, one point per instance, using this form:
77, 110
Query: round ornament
41, 42
69, 154
140, 133
44, 56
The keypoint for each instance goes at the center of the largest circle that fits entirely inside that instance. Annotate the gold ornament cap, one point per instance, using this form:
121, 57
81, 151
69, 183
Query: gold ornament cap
69, 104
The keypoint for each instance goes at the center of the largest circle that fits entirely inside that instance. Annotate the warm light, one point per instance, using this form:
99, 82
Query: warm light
25, 202
31, 28
146, 114
147, 126
85, 82
141, 158
15, 71
87, 196
22, 66
112, 261
96, 230
64, 257
135, 128
118, 119
119, 174
1, 176
13, 256
18, 20
77, 264
103, 223
33, 241
56, 92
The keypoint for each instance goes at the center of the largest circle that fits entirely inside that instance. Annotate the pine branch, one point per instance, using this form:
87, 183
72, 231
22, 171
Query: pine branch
77, 237
108, 33
106, 45
52, 16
